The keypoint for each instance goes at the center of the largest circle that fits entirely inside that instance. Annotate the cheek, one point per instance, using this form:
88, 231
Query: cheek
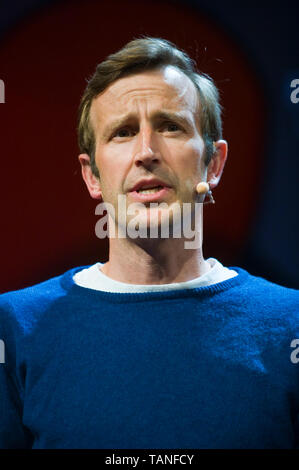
189, 156
115, 157
196, 145
108, 162
112, 167
189, 166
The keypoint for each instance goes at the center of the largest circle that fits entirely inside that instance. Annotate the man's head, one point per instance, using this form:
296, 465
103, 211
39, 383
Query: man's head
142, 55
147, 114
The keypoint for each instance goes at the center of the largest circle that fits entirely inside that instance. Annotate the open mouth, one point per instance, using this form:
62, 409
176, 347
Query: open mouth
152, 194
155, 189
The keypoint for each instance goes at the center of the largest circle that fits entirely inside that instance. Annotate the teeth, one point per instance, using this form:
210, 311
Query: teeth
149, 191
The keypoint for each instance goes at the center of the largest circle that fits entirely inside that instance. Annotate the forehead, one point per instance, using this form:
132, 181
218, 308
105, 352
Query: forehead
164, 88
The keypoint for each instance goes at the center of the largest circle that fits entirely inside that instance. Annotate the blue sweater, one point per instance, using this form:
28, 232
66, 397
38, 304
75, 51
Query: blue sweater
206, 367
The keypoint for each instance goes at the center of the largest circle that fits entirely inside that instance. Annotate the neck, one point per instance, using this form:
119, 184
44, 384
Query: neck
158, 261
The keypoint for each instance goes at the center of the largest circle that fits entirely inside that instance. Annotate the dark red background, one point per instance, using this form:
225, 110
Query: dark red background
48, 217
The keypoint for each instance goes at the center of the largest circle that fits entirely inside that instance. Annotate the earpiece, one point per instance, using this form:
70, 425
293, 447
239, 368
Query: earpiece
202, 187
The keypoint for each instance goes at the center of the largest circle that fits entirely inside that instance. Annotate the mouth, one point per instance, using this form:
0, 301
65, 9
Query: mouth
150, 194
152, 190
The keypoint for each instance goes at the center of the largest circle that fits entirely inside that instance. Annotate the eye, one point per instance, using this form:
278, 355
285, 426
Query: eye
170, 127
123, 133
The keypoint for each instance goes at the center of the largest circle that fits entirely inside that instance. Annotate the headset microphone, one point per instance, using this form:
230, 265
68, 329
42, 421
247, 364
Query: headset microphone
203, 188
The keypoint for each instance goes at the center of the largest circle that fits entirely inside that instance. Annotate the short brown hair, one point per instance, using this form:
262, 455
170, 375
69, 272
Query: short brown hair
142, 55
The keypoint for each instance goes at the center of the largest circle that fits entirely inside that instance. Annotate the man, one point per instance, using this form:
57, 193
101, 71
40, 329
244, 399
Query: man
158, 347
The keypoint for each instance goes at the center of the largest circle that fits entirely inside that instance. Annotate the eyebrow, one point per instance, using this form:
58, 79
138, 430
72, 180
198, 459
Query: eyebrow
173, 116
158, 115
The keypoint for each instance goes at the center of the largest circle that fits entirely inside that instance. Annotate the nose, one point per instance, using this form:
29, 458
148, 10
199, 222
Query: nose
146, 151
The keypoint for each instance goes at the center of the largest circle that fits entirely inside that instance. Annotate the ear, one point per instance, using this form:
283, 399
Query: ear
92, 182
216, 165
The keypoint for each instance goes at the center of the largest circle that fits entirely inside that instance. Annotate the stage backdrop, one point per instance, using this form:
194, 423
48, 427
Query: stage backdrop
48, 219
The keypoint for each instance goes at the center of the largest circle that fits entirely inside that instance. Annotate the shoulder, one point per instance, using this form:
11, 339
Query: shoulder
259, 289
265, 303
261, 286
24, 307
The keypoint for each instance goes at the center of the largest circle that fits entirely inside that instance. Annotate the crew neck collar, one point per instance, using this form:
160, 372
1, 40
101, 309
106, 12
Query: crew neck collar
68, 284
